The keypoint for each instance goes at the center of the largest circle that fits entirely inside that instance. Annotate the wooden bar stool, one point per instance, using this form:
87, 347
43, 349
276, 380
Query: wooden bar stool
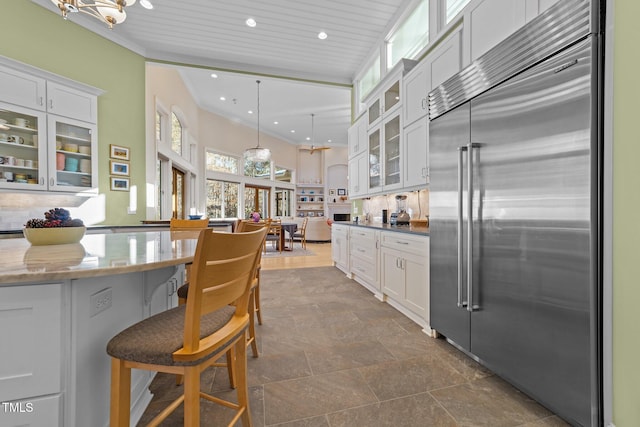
189, 338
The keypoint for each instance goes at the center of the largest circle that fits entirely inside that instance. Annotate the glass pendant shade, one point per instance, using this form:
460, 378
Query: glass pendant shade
257, 153
111, 15
110, 12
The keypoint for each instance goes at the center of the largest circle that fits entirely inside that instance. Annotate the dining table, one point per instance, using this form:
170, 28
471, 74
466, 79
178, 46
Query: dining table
290, 228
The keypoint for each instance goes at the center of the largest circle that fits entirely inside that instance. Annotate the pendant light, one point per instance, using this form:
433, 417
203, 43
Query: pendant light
257, 153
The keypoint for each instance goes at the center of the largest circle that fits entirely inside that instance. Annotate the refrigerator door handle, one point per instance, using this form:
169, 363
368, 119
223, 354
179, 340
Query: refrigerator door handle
461, 150
470, 147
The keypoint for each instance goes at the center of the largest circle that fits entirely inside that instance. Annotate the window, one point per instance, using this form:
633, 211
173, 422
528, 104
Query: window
257, 169
158, 201
222, 199
453, 7
178, 194
256, 199
283, 201
222, 163
411, 36
159, 125
176, 134
370, 78
283, 174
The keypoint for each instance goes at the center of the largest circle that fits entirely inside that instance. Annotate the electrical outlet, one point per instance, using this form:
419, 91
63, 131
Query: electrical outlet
100, 301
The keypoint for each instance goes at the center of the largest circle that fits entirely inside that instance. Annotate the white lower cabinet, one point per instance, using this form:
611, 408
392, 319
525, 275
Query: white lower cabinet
340, 246
405, 274
364, 244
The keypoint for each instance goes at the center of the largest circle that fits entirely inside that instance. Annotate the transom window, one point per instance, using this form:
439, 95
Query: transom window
222, 163
453, 7
370, 78
410, 37
257, 169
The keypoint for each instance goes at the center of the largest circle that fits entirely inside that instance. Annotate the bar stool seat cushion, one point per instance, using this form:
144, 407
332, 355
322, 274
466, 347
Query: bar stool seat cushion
155, 339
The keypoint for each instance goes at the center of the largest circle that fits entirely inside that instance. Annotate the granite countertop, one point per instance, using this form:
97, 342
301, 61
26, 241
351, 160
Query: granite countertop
422, 231
97, 254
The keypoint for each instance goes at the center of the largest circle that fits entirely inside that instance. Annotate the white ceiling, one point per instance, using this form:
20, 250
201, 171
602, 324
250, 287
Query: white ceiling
212, 34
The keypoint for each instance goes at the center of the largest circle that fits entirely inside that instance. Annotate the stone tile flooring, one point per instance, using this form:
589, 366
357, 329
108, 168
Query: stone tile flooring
334, 356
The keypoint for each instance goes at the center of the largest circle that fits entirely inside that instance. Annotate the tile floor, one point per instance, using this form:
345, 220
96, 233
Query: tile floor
334, 356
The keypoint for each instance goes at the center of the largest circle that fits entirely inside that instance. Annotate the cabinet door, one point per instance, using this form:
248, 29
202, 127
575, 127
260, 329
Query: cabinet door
392, 153
491, 21
73, 159
72, 103
416, 275
358, 168
375, 160
358, 137
374, 112
39, 412
416, 149
22, 89
23, 154
392, 273
444, 61
31, 351
416, 88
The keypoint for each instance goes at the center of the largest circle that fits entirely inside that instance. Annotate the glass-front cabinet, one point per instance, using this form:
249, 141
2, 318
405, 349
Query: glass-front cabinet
73, 156
392, 153
23, 161
375, 149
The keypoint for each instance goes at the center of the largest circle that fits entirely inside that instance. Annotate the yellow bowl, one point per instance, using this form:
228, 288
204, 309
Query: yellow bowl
53, 236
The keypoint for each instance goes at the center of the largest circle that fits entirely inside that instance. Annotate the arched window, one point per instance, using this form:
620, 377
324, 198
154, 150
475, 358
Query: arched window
176, 134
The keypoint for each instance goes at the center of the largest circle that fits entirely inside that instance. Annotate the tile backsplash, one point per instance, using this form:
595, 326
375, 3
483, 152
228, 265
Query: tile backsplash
417, 205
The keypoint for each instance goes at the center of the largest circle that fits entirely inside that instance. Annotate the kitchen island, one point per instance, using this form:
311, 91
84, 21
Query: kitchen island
60, 305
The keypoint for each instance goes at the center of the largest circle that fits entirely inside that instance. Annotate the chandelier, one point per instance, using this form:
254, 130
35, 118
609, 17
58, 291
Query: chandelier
110, 12
257, 153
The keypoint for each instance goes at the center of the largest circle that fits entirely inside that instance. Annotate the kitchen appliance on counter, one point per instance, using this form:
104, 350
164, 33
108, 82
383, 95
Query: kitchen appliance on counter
401, 217
515, 220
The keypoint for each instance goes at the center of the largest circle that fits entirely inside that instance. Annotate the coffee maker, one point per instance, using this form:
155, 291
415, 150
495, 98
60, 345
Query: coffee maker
401, 217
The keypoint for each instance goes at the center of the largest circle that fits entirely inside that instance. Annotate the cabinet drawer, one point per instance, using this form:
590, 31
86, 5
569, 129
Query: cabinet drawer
363, 234
404, 242
364, 249
364, 269
39, 412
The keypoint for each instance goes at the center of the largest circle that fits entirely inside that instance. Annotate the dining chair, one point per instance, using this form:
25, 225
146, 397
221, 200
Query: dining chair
190, 338
187, 225
301, 234
275, 234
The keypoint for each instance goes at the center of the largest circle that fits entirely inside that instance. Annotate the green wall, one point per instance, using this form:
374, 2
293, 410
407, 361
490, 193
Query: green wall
626, 221
38, 37
33, 35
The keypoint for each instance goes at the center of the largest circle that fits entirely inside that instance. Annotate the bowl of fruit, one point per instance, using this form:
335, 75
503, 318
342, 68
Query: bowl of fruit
57, 228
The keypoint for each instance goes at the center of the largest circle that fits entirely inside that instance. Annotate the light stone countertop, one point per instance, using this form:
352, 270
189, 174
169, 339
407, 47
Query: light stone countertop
95, 255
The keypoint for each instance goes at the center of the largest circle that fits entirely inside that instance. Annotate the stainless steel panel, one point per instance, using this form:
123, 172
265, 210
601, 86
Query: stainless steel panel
562, 24
533, 221
447, 136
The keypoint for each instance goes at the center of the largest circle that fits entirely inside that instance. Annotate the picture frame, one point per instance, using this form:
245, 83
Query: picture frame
118, 168
342, 191
119, 184
118, 152
332, 192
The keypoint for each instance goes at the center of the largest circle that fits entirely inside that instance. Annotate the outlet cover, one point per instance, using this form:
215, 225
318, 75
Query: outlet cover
100, 301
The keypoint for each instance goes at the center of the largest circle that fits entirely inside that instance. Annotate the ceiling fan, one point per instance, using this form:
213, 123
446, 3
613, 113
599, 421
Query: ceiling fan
313, 147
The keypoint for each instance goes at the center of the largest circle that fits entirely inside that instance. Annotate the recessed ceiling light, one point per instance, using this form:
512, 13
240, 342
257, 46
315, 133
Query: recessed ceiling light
251, 22
322, 35
275, 123
328, 140
222, 98
293, 131
146, 4
308, 138
250, 112
214, 76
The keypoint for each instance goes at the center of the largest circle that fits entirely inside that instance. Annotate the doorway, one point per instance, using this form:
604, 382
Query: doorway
177, 193
257, 199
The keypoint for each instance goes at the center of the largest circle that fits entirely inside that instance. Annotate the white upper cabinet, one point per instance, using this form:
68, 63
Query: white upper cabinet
358, 175
443, 62
69, 102
491, 21
22, 89
358, 137
416, 145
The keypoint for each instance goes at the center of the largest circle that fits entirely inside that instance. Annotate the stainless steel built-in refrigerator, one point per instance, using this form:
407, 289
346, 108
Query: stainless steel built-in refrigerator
515, 155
